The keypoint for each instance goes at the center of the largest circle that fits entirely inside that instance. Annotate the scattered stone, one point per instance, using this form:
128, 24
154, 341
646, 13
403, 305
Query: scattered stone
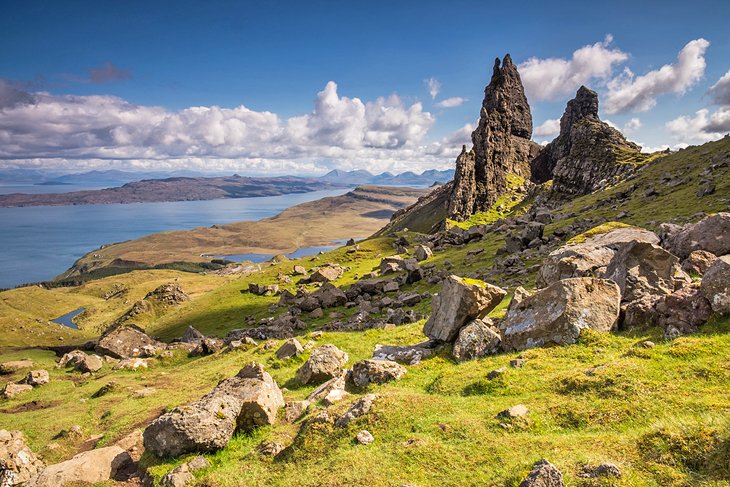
327, 273
391, 287
37, 378
104, 390
92, 466
408, 355
12, 389
146, 391
517, 363
716, 285
359, 408
477, 339
263, 289
645, 344
14, 366
18, 463
334, 396
422, 253
371, 371
270, 448
191, 335
685, 310
335, 383
132, 364
390, 265
323, 364
82, 362
558, 313
698, 262
459, 302
126, 341
316, 313
294, 410
299, 270
518, 411
329, 296
496, 373
543, 474
640, 312
170, 293
364, 437
290, 348
182, 475
602, 470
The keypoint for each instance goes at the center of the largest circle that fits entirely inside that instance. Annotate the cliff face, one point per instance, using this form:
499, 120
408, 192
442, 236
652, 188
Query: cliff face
587, 152
501, 144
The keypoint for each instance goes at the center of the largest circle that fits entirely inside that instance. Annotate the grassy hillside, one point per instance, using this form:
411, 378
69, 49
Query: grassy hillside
661, 414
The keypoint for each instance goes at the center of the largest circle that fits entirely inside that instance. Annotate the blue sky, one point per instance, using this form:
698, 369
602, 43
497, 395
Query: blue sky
102, 84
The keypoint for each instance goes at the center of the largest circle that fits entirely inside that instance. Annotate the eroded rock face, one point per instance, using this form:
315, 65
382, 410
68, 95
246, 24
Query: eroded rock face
558, 313
591, 257
712, 234
371, 371
716, 285
88, 467
18, 463
585, 156
249, 399
126, 341
459, 302
501, 144
477, 339
323, 364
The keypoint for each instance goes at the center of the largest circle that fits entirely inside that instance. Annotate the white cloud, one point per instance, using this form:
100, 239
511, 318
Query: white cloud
720, 91
553, 78
550, 127
74, 132
702, 127
628, 92
451, 102
632, 125
434, 87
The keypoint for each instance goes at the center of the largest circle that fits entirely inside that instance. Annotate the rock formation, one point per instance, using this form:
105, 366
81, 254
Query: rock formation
501, 142
587, 152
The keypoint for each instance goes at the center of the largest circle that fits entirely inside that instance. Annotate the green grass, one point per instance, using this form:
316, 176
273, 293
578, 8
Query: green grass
508, 203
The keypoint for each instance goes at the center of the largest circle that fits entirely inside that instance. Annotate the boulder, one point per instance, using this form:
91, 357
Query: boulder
640, 312
249, 399
359, 408
591, 257
299, 270
18, 464
558, 313
716, 285
329, 296
191, 335
477, 339
290, 348
712, 234
422, 253
698, 262
206, 346
543, 474
685, 310
37, 378
322, 391
168, 294
92, 466
459, 302
81, 361
324, 363
408, 355
14, 366
12, 389
364, 437
371, 371
182, 475
327, 273
125, 341
263, 289
389, 265
644, 269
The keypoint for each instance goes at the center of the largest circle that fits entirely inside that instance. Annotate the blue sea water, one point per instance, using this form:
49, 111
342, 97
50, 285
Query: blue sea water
38, 243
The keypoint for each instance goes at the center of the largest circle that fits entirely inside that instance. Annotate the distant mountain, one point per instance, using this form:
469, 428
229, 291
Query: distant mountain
409, 178
116, 177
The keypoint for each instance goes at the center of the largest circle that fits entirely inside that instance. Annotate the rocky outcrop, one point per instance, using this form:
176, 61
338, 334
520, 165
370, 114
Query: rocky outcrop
18, 463
459, 302
586, 155
249, 399
716, 285
501, 145
558, 313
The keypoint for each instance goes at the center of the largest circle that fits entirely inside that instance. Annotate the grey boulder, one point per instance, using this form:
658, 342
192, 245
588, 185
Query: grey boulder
477, 339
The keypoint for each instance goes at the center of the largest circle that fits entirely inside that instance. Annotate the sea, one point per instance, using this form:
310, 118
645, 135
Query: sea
38, 243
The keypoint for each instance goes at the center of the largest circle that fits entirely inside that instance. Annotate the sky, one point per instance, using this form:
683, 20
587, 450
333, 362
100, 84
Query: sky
276, 87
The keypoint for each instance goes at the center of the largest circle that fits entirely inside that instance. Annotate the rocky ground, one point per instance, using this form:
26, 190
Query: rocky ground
569, 335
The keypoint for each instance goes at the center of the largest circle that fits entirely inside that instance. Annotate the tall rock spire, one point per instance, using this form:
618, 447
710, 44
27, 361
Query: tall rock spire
501, 144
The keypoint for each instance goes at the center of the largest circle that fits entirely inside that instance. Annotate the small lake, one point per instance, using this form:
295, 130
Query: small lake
40, 242
67, 319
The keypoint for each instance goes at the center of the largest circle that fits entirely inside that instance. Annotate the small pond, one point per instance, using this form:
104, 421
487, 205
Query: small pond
67, 319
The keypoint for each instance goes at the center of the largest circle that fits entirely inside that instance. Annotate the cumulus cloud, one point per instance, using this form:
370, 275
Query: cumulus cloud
632, 125
67, 131
553, 78
629, 92
702, 127
108, 72
548, 128
451, 102
434, 87
720, 91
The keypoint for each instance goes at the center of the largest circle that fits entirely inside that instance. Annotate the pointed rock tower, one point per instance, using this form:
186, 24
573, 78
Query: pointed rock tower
588, 152
501, 145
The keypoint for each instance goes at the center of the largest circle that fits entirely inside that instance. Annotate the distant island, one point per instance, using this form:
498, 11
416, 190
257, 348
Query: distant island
211, 188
